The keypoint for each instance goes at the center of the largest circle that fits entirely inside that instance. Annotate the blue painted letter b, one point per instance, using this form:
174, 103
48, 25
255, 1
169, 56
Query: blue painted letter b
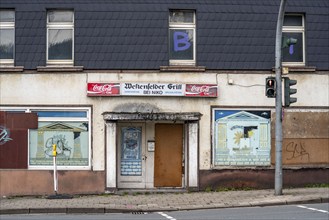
181, 41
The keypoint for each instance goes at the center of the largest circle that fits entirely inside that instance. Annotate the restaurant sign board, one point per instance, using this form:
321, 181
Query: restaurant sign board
152, 89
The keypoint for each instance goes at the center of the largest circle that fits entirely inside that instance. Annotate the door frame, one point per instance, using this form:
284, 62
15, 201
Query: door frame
191, 146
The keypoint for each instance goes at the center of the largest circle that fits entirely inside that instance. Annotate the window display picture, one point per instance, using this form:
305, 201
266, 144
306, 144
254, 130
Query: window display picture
241, 137
71, 139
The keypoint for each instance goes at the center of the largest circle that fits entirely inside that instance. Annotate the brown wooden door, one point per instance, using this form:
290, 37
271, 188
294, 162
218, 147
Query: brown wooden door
168, 155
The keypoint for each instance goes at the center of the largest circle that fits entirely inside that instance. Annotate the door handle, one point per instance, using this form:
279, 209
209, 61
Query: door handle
144, 157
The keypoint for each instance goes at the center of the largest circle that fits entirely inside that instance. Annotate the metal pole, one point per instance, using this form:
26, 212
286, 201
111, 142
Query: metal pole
56, 196
55, 175
278, 100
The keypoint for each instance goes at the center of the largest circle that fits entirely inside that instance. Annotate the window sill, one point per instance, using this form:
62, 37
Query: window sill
11, 68
298, 68
182, 68
60, 68
237, 167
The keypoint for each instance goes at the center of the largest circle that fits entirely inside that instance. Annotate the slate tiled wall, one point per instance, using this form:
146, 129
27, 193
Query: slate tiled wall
133, 34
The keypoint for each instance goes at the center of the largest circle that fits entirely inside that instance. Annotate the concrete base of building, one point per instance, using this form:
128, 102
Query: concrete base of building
261, 178
40, 182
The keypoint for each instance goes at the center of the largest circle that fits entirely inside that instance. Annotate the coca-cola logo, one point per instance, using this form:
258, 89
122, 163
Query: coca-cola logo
200, 89
105, 88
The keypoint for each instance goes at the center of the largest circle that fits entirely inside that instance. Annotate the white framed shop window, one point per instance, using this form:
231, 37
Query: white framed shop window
60, 37
69, 128
241, 138
182, 37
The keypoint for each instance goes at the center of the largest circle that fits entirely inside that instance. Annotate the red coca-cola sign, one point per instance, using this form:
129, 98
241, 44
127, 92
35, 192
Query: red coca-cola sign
201, 90
103, 89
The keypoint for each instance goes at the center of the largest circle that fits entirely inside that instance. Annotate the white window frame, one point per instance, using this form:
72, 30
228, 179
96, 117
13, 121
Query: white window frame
186, 26
60, 26
8, 25
296, 29
213, 140
65, 119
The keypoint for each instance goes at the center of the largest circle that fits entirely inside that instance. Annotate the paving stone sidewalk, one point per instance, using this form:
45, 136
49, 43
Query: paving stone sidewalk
161, 202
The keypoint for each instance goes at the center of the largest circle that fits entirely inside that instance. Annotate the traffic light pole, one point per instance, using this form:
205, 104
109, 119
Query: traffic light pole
278, 100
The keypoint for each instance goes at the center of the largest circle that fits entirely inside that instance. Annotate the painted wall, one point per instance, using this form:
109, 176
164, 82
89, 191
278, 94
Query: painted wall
260, 178
247, 90
40, 182
305, 138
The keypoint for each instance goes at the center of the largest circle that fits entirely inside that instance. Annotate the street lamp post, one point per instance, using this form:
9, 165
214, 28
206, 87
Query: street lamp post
278, 100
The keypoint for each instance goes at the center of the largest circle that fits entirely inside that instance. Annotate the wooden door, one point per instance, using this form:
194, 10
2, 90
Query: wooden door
168, 155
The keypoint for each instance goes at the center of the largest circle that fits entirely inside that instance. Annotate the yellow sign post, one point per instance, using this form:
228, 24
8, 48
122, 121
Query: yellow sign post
55, 168
56, 196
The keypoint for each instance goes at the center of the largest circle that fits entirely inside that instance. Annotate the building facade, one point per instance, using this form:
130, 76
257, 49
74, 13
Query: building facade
158, 95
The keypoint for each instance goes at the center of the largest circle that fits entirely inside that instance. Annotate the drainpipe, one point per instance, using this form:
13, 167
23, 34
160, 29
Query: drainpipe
278, 100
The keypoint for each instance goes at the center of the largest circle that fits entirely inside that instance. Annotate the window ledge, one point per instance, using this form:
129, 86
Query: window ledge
301, 68
298, 68
11, 68
182, 68
60, 68
237, 167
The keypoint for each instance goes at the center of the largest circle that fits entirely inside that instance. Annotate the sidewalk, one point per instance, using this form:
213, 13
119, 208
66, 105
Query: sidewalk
162, 202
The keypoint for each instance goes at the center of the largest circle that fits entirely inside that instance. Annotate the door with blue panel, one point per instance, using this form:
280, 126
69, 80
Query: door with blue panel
131, 155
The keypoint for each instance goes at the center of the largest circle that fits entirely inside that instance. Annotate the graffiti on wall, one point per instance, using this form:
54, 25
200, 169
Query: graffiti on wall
4, 135
303, 151
241, 138
62, 148
297, 151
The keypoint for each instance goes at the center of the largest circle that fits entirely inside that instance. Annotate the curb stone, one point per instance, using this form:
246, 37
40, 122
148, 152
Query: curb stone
114, 210
161, 203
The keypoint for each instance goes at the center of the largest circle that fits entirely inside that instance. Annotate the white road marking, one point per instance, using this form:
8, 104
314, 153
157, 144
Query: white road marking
166, 216
313, 209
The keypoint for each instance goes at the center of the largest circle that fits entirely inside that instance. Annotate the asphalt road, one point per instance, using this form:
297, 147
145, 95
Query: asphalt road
301, 212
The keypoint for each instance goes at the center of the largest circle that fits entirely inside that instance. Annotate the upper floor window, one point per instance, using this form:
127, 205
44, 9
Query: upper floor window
7, 37
293, 27
182, 37
60, 32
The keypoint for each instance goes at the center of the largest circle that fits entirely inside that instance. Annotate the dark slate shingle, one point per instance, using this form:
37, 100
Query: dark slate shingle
133, 34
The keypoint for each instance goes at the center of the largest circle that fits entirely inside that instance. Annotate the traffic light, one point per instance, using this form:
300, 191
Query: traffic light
270, 91
289, 91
